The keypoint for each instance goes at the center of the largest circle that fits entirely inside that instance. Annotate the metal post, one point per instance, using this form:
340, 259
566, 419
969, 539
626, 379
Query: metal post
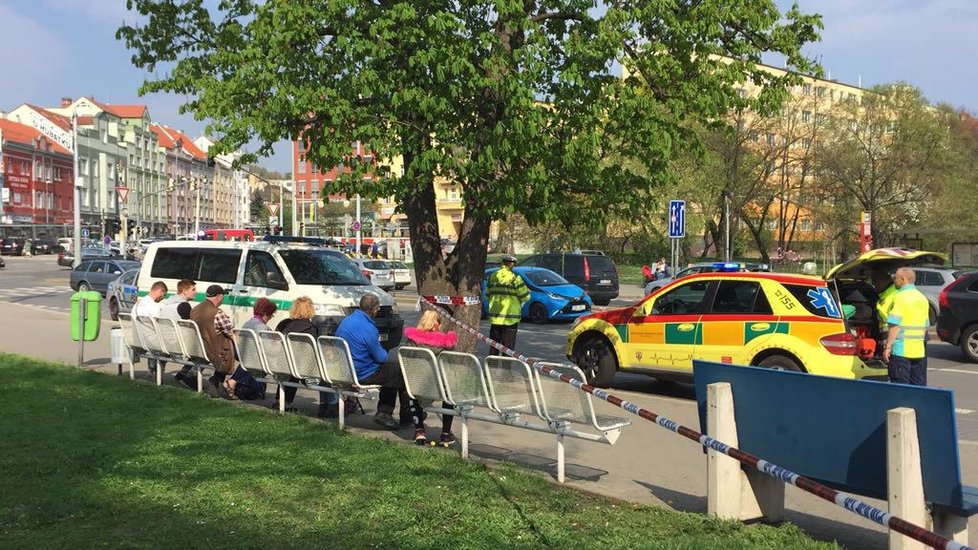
295, 206
83, 303
125, 231
359, 225
196, 184
726, 226
77, 195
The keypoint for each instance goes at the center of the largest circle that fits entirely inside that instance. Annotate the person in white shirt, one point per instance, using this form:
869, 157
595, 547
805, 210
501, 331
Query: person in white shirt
178, 306
149, 306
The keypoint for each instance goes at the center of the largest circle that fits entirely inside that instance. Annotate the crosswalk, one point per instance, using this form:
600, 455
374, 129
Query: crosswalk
20, 296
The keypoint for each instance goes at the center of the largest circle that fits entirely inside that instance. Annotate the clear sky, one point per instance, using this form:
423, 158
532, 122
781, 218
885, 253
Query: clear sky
56, 48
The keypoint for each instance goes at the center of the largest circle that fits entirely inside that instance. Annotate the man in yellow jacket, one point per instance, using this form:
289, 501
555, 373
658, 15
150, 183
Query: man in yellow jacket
906, 339
507, 292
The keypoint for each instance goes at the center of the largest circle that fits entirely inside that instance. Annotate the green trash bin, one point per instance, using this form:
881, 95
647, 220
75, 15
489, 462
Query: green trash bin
93, 311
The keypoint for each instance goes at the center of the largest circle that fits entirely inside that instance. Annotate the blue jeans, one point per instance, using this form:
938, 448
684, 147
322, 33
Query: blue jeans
905, 370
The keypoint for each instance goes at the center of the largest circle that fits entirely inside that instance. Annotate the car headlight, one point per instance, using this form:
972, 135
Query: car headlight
329, 310
555, 296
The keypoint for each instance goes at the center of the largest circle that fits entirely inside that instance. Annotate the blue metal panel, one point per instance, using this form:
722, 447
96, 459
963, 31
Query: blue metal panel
834, 430
677, 219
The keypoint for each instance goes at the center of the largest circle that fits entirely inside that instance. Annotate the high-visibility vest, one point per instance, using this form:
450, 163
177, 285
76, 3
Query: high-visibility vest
910, 311
883, 304
507, 292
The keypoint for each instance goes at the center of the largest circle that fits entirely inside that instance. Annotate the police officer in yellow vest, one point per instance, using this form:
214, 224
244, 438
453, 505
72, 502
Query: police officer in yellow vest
507, 292
906, 338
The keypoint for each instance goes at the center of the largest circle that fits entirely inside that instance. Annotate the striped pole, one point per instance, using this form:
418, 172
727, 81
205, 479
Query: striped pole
845, 500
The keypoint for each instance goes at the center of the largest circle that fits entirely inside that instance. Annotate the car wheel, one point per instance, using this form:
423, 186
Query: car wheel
538, 313
597, 360
780, 362
114, 309
969, 343
83, 287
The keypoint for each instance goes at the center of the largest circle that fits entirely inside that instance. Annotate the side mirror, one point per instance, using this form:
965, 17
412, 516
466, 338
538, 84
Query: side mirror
276, 281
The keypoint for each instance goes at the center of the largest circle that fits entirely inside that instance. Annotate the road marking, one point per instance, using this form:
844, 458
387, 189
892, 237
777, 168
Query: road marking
963, 411
958, 370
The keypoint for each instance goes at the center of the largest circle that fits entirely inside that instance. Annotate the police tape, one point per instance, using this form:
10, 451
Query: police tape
842, 499
449, 300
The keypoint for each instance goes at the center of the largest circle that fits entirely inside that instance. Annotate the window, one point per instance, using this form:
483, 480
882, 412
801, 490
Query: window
806, 116
174, 263
740, 297
83, 266
771, 140
806, 143
806, 225
301, 167
685, 300
84, 166
806, 89
820, 91
97, 267
754, 136
220, 266
257, 268
821, 118
928, 278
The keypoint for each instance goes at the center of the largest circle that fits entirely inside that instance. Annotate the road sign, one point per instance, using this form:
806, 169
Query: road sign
273, 220
272, 208
356, 225
85, 233
106, 240
123, 193
677, 219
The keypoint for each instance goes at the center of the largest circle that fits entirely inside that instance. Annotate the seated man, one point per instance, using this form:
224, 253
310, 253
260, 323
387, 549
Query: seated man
372, 365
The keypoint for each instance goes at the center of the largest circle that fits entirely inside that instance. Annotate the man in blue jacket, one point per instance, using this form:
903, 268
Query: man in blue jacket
371, 362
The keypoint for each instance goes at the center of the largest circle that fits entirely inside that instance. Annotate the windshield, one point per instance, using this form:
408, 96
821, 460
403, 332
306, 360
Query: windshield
544, 277
322, 267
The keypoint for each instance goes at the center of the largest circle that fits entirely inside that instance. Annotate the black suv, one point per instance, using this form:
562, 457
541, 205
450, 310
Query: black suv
592, 271
13, 246
957, 323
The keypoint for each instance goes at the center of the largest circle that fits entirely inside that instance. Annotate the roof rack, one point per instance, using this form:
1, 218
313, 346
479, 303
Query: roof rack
318, 241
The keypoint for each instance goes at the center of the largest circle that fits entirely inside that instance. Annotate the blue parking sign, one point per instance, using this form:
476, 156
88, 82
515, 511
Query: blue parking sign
85, 233
677, 219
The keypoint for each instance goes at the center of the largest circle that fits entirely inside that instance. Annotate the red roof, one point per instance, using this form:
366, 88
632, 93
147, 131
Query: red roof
61, 121
168, 138
20, 133
121, 111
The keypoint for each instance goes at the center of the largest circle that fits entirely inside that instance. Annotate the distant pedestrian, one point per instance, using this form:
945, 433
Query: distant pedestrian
905, 351
506, 292
28, 247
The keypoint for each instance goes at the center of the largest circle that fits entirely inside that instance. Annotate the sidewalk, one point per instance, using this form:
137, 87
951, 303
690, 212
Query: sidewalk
648, 464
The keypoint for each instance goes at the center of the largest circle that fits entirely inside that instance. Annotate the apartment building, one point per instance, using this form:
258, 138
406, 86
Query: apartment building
35, 174
190, 199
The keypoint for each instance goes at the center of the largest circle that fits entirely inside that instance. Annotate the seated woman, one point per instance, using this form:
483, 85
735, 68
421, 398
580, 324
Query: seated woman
301, 321
241, 384
428, 334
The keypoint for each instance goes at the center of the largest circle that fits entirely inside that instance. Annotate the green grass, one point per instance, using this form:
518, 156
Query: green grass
95, 460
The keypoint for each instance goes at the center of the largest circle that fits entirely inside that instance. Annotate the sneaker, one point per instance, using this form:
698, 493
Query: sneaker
420, 438
386, 420
447, 439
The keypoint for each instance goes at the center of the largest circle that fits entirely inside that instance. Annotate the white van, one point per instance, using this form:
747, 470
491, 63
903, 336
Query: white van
281, 270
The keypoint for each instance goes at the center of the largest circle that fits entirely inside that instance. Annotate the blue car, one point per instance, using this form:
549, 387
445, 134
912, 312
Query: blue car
122, 293
552, 298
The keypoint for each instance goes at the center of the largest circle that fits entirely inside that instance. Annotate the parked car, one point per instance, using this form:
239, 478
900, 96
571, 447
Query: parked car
597, 274
122, 293
778, 321
957, 322
552, 298
97, 274
704, 267
12, 246
402, 274
2, 263
931, 280
379, 272
44, 246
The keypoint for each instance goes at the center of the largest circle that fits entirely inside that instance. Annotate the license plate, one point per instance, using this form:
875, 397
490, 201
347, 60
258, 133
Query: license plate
383, 337
578, 307
605, 282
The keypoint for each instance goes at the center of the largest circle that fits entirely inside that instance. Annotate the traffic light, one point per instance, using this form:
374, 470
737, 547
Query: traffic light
114, 226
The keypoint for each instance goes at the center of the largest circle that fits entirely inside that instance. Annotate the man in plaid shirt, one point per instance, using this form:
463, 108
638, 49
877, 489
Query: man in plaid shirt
215, 330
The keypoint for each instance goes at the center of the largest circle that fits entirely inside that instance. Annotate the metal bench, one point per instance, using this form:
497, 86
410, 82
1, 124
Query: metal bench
278, 361
509, 388
338, 368
309, 364
184, 345
251, 357
882, 440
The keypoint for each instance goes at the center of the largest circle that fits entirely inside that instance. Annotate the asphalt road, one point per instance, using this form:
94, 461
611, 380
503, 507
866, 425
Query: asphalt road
38, 282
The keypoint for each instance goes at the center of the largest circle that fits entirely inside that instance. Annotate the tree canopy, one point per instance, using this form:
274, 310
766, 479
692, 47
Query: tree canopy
518, 102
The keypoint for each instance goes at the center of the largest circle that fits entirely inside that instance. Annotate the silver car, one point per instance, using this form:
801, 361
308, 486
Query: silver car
931, 280
379, 272
402, 274
92, 274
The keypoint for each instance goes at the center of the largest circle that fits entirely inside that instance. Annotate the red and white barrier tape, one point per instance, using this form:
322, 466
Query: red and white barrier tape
451, 300
840, 498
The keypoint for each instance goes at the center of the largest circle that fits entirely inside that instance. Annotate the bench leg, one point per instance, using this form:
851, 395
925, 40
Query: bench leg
465, 438
200, 380
340, 410
281, 399
560, 458
905, 485
731, 492
951, 526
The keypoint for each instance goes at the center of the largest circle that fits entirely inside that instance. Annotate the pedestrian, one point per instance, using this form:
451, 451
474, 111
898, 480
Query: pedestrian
28, 247
428, 334
373, 366
885, 289
507, 292
905, 351
215, 331
149, 306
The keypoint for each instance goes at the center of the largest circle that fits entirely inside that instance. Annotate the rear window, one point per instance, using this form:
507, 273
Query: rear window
544, 277
817, 300
601, 264
216, 265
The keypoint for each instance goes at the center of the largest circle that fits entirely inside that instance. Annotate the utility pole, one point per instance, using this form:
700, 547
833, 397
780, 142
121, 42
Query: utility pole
77, 191
195, 182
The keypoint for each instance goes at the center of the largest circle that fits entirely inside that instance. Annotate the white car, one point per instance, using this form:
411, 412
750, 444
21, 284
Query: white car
402, 274
379, 272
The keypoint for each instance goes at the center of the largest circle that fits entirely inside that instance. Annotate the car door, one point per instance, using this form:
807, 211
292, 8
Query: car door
111, 273
664, 332
128, 292
739, 316
258, 281
96, 275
